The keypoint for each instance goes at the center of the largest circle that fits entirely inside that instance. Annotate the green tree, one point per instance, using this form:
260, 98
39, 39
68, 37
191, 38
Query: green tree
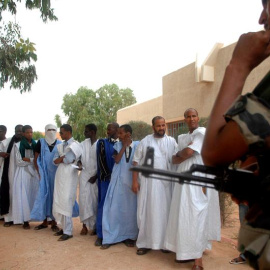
17, 54
80, 110
58, 120
140, 129
16, 58
109, 99
37, 135
99, 107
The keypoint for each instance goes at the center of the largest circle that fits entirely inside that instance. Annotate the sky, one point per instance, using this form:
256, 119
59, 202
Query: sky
130, 43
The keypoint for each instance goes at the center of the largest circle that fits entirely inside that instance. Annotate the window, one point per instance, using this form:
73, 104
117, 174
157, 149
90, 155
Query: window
174, 128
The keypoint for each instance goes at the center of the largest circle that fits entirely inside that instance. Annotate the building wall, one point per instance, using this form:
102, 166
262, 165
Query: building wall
144, 111
181, 91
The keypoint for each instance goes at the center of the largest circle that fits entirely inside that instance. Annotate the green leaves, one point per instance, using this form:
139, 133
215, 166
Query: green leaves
140, 129
16, 59
17, 54
44, 6
100, 107
37, 135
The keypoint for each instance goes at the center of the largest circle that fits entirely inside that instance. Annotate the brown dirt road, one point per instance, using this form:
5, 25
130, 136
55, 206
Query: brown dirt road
30, 249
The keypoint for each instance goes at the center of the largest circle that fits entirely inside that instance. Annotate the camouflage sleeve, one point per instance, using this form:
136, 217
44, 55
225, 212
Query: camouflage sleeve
253, 117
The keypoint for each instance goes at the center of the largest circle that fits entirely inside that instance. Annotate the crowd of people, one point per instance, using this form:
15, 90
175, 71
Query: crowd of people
39, 179
39, 183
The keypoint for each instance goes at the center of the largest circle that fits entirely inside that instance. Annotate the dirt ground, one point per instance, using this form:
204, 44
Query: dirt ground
30, 249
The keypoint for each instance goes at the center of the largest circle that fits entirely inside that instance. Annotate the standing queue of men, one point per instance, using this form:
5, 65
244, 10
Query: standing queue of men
39, 183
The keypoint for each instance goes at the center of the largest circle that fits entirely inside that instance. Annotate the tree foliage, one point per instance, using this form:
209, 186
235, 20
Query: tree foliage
44, 6
37, 135
17, 54
140, 129
58, 120
99, 107
16, 58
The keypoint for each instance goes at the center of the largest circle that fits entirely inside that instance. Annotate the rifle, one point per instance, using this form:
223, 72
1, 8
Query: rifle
241, 184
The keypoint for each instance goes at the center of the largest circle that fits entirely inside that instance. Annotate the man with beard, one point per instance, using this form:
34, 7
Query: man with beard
194, 218
9, 168
44, 154
154, 195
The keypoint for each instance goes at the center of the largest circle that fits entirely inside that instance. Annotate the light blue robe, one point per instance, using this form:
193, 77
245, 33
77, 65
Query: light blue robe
43, 203
119, 221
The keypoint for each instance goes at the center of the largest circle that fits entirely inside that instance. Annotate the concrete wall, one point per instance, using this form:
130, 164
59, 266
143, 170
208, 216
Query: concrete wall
181, 91
144, 111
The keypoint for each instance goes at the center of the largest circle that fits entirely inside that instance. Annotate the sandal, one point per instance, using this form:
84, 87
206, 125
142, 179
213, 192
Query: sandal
8, 224
40, 227
98, 242
105, 246
129, 242
165, 251
238, 260
55, 228
26, 226
142, 251
196, 267
184, 261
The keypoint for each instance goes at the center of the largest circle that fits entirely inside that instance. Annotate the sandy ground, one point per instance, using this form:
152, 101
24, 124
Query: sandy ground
30, 249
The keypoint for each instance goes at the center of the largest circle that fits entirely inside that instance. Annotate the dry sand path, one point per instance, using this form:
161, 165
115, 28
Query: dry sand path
30, 249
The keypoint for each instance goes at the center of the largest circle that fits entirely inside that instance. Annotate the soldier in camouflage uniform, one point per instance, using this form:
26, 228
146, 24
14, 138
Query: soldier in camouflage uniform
246, 130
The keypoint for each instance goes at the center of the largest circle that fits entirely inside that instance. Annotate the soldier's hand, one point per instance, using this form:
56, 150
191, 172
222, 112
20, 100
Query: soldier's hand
251, 49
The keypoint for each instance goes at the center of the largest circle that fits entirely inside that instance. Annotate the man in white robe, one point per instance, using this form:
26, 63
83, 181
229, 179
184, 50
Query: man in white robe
88, 192
154, 195
8, 173
66, 180
26, 179
194, 215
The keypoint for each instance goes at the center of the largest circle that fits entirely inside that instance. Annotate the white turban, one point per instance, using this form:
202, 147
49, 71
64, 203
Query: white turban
50, 135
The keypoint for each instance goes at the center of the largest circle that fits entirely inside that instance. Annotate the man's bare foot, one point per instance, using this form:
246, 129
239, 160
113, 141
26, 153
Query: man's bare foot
84, 231
197, 264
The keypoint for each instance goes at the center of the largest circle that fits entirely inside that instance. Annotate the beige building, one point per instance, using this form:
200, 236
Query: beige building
195, 85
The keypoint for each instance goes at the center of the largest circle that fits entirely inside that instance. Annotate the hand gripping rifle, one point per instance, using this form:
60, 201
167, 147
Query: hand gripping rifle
241, 184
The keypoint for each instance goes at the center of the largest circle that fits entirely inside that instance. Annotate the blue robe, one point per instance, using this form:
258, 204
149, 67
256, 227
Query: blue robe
120, 207
103, 184
43, 203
